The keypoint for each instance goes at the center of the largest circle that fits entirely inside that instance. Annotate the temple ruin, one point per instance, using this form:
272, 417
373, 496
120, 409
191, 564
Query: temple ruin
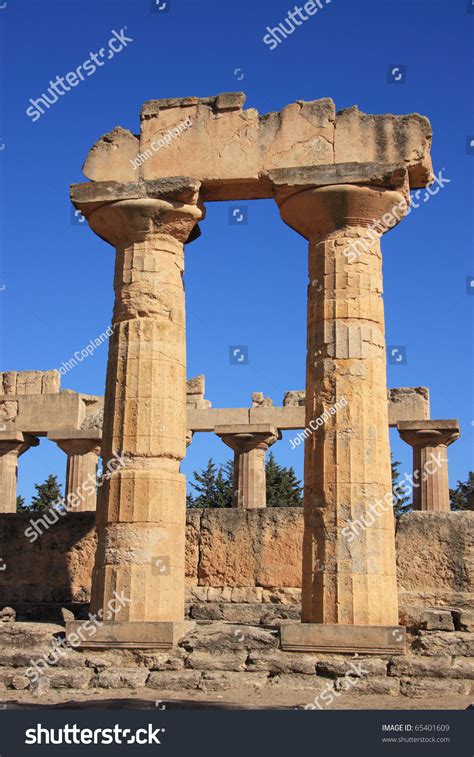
341, 179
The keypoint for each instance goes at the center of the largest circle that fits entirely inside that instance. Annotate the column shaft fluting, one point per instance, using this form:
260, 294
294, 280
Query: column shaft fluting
250, 479
349, 570
141, 508
12, 445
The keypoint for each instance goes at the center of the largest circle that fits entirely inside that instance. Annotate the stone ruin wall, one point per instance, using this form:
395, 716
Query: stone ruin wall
239, 556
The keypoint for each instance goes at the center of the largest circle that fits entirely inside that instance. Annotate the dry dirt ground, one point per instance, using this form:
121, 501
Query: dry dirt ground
240, 699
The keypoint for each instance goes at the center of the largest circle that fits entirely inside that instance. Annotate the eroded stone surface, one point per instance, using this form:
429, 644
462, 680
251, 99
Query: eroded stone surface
236, 152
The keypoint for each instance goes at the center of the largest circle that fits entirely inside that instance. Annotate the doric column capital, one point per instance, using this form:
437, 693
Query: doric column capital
245, 438
77, 442
125, 214
315, 213
431, 433
16, 441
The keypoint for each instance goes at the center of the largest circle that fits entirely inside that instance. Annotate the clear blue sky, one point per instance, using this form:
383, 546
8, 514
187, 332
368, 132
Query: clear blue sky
246, 284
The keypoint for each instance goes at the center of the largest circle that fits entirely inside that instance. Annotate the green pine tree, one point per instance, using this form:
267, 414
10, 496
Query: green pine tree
283, 487
20, 505
462, 496
400, 506
47, 495
205, 485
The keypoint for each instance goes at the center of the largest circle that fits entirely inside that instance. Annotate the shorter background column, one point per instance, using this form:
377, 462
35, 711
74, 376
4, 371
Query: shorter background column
430, 440
249, 443
82, 449
12, 445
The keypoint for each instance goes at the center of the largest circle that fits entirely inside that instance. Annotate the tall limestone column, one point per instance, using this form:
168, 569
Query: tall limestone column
12, 445
142, 505
249, 443
82, 449
349, 597
430, 441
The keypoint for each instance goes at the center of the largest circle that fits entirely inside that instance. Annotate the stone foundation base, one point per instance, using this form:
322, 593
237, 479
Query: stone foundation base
316, 637
125, 634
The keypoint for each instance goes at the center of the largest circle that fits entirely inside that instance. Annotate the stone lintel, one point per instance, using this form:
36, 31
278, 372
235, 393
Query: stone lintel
245, 428
288, 181
322, 637
126, 634
89, 434
10, 440
90, 195
279, 182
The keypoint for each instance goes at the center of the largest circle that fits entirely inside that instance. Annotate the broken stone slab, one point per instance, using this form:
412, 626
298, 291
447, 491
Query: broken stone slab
437, 620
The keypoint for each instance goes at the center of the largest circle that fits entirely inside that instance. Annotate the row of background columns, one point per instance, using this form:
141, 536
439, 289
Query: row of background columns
429, 440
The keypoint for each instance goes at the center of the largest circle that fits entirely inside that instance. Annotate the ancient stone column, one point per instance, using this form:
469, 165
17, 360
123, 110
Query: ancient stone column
82, 449
249, 444
12, 445
142, 506
349, 595
430, 441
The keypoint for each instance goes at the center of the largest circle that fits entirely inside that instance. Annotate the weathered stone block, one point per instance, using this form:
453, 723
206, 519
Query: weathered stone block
300, 681
434, 643
334, 667
426, 688
437, 620
379, 686
422, 667
174, 680
222, 680
70, 679
124, 678
282, 662
226, 660
219, 637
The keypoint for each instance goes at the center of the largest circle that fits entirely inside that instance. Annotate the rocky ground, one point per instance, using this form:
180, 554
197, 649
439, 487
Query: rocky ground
224, 665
